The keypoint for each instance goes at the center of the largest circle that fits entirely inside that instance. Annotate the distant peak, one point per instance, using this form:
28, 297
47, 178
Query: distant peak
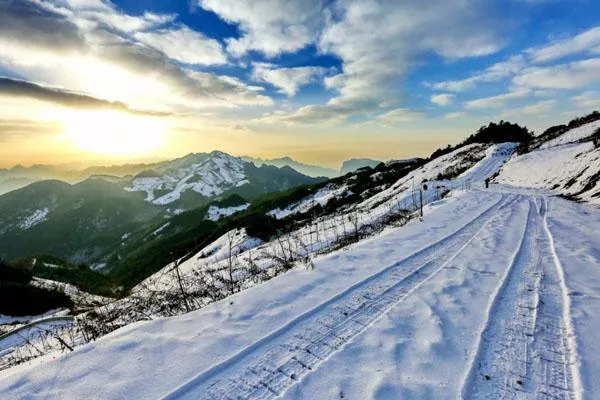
287, 159
222, 154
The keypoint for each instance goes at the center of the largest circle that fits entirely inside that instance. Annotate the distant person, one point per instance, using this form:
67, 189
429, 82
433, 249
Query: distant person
487, 183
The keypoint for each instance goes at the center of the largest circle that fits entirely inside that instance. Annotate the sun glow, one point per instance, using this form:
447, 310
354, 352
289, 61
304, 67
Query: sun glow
114, 133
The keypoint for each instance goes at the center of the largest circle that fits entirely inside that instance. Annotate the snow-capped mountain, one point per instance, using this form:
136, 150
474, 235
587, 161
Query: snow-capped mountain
208, 175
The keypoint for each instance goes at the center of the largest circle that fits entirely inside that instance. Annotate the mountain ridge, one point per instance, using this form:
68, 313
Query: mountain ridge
304, 168
71, 220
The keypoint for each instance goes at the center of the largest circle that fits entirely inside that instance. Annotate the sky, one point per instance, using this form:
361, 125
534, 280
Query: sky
318, 80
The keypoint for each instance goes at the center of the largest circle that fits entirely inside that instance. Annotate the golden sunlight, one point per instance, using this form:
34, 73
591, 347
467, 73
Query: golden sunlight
113, 133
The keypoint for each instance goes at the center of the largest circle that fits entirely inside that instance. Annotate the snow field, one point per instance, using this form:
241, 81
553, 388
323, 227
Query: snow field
171, 348
212, 266
35, 218
216, 213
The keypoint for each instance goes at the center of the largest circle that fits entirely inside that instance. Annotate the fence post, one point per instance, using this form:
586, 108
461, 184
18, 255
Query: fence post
421, 201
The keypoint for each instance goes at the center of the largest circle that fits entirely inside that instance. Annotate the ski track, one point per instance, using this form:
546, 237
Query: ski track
266, 369
527, 347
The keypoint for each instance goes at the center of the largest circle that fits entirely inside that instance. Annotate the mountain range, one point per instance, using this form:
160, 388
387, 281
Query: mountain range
357, 163
90, 220
316, 170
20, 176
306, 169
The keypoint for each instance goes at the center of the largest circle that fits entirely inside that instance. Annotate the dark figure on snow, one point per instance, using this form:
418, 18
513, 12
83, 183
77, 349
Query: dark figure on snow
487, 183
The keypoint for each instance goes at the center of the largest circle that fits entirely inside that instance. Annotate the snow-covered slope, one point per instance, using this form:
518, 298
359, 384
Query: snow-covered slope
568, 164
415, 312
321, 197
215, 213
469, 164
35, 218
473, 163
573, 135
206, 174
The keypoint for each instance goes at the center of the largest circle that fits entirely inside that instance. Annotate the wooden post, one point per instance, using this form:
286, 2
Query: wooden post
421, 201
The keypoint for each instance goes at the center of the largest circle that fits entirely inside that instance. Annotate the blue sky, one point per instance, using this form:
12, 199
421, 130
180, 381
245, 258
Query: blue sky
321, 80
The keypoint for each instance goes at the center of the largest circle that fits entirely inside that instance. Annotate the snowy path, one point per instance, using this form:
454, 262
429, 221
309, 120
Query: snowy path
273, 364
526, 348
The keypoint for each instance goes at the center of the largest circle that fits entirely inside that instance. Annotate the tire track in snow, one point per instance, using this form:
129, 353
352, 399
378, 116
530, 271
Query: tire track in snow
267, 368
557, 360
525, 350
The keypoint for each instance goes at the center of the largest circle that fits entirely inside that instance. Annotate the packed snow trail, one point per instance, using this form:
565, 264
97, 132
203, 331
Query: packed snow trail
526, 349
577, 249
267, 368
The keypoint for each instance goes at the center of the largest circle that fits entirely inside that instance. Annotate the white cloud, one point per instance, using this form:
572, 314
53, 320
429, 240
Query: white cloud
587, 100
494, 73
288, 80
456, 115
55, 45
499, 100
185, 45
273, 26
443, 99
401, 115
588, 41
373, 65
564, 76
306, 115
88, 14
230, 91
538, 109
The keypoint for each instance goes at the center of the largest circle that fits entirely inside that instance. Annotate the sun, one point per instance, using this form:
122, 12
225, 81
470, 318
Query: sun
113, 133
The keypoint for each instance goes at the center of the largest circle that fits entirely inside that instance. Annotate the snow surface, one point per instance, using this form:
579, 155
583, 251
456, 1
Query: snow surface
80, 298
20, 320
37, 217
573, 135
231, 244
321, 197
215, 213
161, 228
